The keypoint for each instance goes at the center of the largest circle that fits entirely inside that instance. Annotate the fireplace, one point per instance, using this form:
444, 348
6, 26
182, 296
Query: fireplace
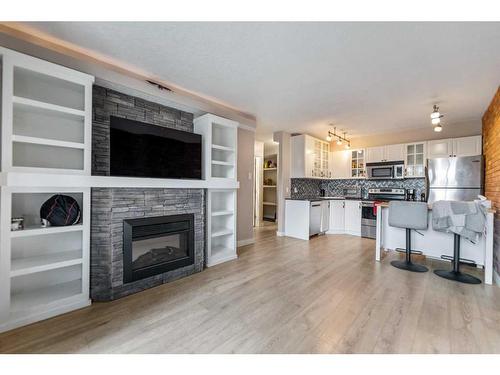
155, 245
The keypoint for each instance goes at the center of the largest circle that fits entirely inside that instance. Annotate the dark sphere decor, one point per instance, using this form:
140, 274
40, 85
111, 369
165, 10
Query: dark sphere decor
61, 210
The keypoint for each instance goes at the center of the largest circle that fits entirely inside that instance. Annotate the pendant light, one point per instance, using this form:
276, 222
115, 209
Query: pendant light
436, 119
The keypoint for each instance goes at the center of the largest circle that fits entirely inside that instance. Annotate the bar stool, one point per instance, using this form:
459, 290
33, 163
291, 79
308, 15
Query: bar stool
408, 215
455, 273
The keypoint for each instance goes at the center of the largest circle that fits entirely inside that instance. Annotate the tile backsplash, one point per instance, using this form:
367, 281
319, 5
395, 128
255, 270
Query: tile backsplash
307, 187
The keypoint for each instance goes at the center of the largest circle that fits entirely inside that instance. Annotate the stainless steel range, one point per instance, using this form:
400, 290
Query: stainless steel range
368, 217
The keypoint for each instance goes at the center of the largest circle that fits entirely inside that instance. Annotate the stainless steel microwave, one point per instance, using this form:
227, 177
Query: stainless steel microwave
386, 170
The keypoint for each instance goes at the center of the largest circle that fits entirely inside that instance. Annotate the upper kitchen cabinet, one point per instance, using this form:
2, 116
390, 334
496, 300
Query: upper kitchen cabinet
441, 148
340, 164
375, 154
310, 157
358, 168
385, 153
467, 146
415, 159
395, 152
454, 147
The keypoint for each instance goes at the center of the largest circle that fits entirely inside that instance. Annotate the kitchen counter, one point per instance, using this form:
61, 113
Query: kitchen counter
433, 243
314, 199
429, 206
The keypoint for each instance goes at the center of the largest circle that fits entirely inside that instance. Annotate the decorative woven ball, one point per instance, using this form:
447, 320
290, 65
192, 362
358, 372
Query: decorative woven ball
61, 210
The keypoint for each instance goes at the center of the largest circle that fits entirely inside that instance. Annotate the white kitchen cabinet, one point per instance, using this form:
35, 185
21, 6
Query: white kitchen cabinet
352, 217
394, 152
415, 157
325, 216
454, 147
385, 153
337, 217
310, 157
375, 154
357, 164
340, 164
440, 148
467, 146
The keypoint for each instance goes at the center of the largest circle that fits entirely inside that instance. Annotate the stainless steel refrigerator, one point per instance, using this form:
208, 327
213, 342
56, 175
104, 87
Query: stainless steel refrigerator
457, 179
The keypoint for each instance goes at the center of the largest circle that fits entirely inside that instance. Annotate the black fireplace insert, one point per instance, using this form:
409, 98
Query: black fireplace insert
155, 245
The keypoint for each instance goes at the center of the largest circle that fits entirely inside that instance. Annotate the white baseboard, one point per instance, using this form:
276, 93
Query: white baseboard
280, 234
496, 278
248, 241
335, 232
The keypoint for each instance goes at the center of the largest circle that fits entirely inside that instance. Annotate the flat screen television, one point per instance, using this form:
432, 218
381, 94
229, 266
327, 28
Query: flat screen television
138, 149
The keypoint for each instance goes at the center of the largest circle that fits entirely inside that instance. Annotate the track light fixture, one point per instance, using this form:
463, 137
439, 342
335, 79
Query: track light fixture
338, 138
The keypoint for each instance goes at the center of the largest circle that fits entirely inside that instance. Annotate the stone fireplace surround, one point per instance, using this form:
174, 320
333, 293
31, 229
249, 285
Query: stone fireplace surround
110, 206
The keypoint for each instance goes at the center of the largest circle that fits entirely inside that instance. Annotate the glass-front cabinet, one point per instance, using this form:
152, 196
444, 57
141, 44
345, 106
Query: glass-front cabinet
415, 159
321, 155
358, 169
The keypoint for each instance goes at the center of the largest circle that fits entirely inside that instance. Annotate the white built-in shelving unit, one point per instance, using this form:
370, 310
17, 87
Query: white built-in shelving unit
270, 179
220, 140
46, 132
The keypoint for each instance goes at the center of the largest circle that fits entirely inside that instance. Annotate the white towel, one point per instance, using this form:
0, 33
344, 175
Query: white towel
467, 219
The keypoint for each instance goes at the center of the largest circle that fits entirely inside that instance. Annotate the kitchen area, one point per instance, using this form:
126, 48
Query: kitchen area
338, 189
345, 192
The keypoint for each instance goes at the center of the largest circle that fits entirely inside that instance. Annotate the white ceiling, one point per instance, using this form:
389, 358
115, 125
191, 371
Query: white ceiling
365, 77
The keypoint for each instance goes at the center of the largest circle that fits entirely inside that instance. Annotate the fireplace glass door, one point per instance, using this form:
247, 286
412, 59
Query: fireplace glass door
148, 252
155, 245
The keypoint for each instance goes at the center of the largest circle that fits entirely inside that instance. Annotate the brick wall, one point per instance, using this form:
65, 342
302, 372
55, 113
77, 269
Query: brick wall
491, 151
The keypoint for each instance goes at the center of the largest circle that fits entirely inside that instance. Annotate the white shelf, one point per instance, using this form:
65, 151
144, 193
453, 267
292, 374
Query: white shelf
222, 232
226, 163
269, 186
26, 266
46, 295
269, 203
36, 231
45, 150
47, 142
270, 169
48, 106
222, 148
221, 254
222, 213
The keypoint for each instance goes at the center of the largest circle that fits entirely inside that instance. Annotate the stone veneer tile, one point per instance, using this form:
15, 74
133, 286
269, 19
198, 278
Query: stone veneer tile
107, 102
110, 206
106, 271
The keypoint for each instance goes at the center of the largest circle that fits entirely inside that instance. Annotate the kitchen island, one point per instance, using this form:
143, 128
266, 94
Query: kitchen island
433, 244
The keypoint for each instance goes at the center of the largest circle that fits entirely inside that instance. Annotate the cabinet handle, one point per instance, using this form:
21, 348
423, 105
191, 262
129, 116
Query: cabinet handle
343, 204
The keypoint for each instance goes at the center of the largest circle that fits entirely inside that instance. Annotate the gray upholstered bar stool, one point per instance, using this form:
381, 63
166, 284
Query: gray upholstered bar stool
408, 215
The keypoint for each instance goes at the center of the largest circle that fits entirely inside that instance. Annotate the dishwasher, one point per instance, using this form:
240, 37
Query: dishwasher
314, 218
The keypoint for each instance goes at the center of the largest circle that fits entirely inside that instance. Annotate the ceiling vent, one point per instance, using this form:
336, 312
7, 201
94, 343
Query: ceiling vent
159, 86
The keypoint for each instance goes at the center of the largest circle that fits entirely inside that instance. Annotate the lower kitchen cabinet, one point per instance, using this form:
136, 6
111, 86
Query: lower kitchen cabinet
337, 216
352, 217
325, 216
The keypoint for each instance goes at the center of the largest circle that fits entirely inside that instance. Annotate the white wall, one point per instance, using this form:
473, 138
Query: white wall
246, 144
284, 167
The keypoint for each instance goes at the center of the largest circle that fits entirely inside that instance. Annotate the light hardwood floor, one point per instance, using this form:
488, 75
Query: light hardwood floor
283, 295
